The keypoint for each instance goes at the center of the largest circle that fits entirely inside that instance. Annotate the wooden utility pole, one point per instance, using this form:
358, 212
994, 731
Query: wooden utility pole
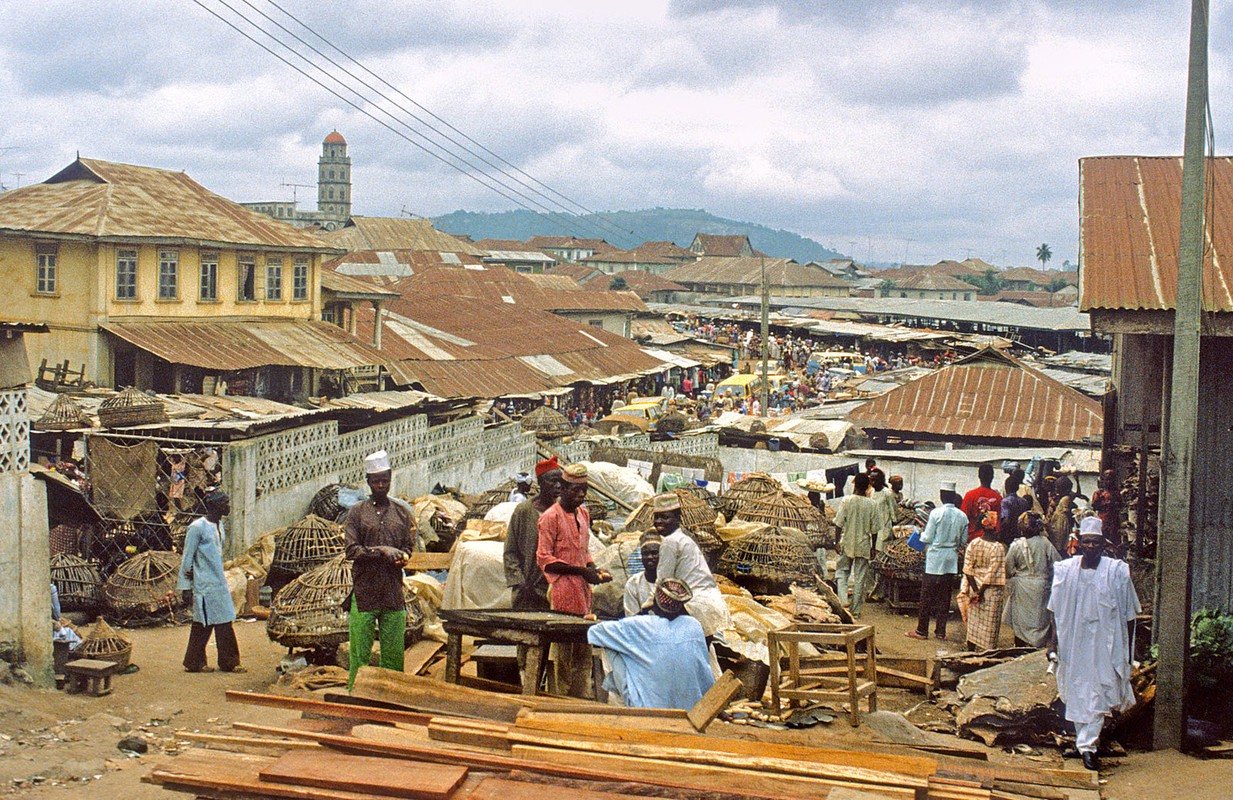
1172, 629
766, 334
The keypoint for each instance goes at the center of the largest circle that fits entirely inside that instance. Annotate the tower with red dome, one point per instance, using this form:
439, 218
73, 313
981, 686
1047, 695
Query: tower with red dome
334, 180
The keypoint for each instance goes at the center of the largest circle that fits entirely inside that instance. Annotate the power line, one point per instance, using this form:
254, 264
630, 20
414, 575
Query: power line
532, 180
478, 176
568, 218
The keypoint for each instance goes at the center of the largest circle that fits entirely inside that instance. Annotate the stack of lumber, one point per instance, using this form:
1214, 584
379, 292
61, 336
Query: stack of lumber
434, 740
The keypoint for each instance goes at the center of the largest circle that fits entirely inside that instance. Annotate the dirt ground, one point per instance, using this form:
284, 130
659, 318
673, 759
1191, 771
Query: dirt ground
53, 745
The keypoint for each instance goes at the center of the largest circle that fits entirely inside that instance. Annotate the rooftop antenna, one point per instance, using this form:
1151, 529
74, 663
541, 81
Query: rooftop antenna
295, 187
404, 212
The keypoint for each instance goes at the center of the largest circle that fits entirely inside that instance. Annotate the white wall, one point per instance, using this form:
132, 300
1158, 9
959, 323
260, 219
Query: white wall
25, 601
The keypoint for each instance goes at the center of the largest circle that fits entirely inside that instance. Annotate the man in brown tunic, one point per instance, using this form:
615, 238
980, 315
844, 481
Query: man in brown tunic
379, 539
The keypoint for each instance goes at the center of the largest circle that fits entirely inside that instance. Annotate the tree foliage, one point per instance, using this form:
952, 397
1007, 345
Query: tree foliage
618, 284
1043, 254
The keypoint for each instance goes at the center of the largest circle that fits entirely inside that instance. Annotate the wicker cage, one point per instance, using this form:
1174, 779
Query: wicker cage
105, 643
301, 547
79, 584
547, 423
325, 503
710, 544
131, 407
783, 510
144, 584
62, 415
769, 561
312, 610
703, 493
696, 514
900, 561
751, 487
489, 500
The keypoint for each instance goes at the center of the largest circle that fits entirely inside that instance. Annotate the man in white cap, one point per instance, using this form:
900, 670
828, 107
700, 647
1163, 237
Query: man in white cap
564, 555
1094, 605
682, 559
945, 532
379, 539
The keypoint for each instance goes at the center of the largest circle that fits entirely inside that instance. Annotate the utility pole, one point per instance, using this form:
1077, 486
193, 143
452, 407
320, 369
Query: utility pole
1172, 628
766, 335
295, 187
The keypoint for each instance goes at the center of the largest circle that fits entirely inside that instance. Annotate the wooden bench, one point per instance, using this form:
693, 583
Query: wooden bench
92, 670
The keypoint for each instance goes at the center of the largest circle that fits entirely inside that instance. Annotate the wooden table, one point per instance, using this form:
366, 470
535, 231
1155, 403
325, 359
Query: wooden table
815, 685
93, 673
536, 629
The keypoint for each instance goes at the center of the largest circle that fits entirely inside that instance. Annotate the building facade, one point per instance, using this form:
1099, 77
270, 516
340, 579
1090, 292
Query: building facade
333, 191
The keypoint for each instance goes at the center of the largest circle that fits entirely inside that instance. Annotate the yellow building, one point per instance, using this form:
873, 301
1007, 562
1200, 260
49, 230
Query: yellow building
148, 279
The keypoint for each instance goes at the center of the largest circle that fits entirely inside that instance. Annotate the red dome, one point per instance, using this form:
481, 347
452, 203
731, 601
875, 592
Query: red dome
335, 138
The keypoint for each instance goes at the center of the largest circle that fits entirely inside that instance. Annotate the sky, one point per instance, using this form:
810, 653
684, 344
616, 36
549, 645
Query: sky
890, 131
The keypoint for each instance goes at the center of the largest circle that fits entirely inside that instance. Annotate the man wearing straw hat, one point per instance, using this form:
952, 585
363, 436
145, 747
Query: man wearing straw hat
658, 658
204, 586
379, 538
564, 554
1094, 605
682, 559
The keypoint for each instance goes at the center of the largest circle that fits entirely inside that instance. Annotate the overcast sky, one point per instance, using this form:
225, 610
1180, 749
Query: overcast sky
887, 130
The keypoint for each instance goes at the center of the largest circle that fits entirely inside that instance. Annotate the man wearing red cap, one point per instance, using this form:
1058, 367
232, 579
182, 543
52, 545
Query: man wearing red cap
522, 574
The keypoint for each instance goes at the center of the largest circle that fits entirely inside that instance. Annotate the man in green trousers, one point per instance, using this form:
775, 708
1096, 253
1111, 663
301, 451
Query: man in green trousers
379, 538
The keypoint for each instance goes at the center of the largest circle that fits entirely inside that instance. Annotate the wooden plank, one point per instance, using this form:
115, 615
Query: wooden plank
715, 700
266, 744
640, 790
907, 765
830, 771
443, 731
367, 713
1031, 790
425, 694
392, 777
584, 707
602, 717
739, 781
419, 654
498, 789
237, 774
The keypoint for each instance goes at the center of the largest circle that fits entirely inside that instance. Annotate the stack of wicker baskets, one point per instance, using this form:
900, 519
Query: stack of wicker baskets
303, 546
144, 584
900, 561
769, 561
131, 407
697, 521
702, 493
325, 503
783, 510
105, 643
62, 415
750, 487
312, 611
79, 583
547, 423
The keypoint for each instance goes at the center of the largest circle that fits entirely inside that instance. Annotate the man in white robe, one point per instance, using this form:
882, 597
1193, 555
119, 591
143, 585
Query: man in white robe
681, 558
1093, 603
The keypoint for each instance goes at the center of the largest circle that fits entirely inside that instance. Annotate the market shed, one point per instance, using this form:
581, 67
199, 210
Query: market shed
987, 398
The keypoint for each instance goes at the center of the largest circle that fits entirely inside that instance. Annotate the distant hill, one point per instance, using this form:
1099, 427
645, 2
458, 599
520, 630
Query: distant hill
634, 227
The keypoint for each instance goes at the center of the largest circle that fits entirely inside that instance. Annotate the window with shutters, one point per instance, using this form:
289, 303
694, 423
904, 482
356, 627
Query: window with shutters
126, 274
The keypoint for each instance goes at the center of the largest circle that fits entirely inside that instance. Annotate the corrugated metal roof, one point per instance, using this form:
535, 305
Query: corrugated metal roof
396, 233
714, 244
934, 282
457, 346
118, 201
986, 395
747, 270
1129, 232
231, 344
345, 285
642, 283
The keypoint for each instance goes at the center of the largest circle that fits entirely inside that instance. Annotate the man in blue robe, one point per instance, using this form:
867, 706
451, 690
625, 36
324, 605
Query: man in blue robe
204, 586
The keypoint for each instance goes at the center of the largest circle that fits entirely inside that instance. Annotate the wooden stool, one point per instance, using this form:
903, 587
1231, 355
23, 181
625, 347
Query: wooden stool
97, 672
810, 685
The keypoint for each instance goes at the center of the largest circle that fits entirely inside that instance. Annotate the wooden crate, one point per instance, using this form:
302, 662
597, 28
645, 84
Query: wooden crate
857, 683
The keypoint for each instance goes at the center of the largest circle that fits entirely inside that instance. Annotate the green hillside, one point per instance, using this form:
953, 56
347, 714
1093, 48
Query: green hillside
628, 228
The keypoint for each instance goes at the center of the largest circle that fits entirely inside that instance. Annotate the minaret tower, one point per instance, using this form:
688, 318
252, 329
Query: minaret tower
334, 179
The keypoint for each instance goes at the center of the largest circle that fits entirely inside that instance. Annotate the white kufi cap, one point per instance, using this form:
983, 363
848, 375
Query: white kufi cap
377, 462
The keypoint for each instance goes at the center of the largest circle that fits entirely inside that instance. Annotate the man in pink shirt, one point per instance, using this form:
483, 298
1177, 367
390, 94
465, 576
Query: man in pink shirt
565, 557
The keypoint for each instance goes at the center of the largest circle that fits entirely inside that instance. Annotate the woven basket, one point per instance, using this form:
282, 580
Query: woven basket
131, 407
62, 415
702, 493
141, 585
547, 423
301, 547
751, 487
900, 561
313, 610
696, 514
105, 643
325, 503
710, 544
79, 583
769, 561
785, 510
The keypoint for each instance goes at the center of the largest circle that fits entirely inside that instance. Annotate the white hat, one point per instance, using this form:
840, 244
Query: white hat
948, 486
377, 462
1091, 526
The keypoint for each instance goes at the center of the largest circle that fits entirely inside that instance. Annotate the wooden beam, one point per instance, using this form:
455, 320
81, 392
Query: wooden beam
366, 713
715, 700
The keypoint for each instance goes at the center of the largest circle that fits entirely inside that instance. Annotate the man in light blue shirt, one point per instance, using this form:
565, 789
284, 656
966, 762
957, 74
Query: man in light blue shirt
945, 532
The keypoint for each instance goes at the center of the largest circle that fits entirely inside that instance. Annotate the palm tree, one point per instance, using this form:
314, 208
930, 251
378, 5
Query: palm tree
1043, 254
